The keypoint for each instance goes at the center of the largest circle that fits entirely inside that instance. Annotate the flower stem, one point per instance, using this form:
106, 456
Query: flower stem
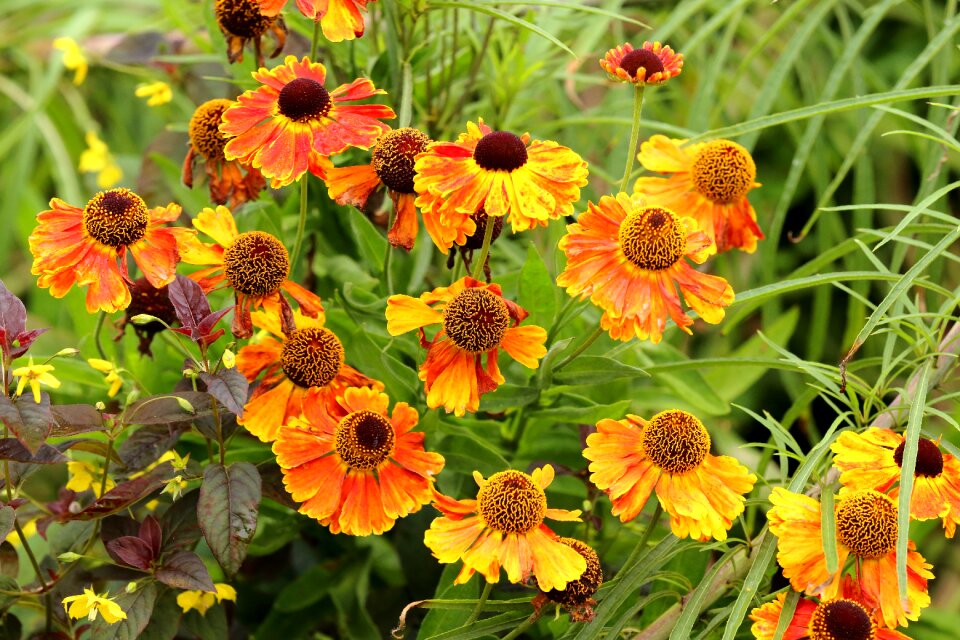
583, 347
302, 224
96, 334
487, 588
106, 467
634, 134
523, 626
484, 250
315, 41
406, 95
641, 546
387, 258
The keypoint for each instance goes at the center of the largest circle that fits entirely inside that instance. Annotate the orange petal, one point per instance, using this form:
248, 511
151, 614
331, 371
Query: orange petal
554, 564
663, 155
406, 314
218, 224
525, 344
449, 539
403, 233
352, 185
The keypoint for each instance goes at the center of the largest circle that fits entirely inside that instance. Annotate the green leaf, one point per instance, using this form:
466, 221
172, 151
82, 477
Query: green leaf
439, 620
503, 15
786, 614
537, 291
371, 244
911, 439
165, 618
211, 625
689, 385
586, 415
828, 529
589, 370
227, 511
7, 517
8, 584
309, 587
139, 609
506, 397
693, 605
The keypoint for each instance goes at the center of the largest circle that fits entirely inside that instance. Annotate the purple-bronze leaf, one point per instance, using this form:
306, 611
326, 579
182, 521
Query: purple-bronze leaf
151, 533
132, 552
185, 570
227, 511
230, 387
29, 421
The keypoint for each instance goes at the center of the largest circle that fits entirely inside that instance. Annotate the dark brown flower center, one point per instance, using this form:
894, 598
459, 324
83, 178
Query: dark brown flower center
579, 591
364, 439
929, 458
480, 218
256, 263
867, 523
311, 357
205, 133
841, 620
241, 18
500, 151
641, 59
394, 157
723, 171
476, 320
676, 441
304, 99
511, 502
116, 218
652, 238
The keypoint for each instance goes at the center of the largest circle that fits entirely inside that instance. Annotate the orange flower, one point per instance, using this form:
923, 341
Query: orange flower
391, 166
846, 617
670, 454
242, 21
475, 321
255, 264
651, 64
356, 469
88, 247
709, 182
866, 530
227, 180
339, 19
531, 182
302, 367
503, 527
292, 123
872, 459
628, 258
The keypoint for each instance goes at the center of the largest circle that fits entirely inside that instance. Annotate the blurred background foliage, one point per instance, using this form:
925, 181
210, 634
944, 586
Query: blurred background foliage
840, 174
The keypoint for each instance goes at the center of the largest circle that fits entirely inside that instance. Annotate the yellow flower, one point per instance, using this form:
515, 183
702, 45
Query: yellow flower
96, 158
73, 58
90, 603
34, 374
157, 93
86, 475
113, 376
229, 359
203, 600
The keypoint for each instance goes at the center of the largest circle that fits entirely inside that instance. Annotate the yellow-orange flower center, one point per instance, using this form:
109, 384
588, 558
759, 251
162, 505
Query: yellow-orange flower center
500, 151
579, 591
241, 18
652, 238
394, 157
511, 502
929, 459
116, 218
304, 99
676, 441
476, 320
867, 523
364, 439
480, 218
723, 171
641, 59
256, 263
841, 620
205, 133
311, 357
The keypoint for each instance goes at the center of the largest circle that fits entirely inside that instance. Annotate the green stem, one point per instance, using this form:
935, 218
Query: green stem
216, 419
315, 42
484, 250
523, 626
645, 538
106, 467
302, 224
583, 347
406, 95
387, 259
634, 134
29, 551
487, 588
96, 334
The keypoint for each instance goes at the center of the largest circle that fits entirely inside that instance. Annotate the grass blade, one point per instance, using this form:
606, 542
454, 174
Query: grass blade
907, 466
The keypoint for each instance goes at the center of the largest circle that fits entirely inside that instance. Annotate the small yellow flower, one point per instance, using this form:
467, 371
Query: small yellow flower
203, 600
175, 487
73, 58
34, 374
96, 158
29, 529
229, 359
113, 374
89, 604
157, 93
86, 475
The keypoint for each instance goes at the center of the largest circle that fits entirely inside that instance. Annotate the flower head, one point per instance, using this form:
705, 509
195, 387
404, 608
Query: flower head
113, 379
73, 58
709, 182
96, 158
89, 604
866, 530
203, 600
86, 475
255, 264
530, 182
629, 258
242, 21
651, 64
88, 247
504, 527
355, 467
577, 596
669, 455
872, 460
156, 93
300, 367
339, 19
475, 321
35, 375
291, 123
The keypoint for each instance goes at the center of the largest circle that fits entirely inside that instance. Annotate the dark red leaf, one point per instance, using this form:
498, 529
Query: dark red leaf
14, 337
132, 551
230, 387
127, 493
30, 421
149, 442
189, 302
166, 410
151, 533
9, 560
185, 570
179, 523
227, 511
7, 517
13, 449
72, 419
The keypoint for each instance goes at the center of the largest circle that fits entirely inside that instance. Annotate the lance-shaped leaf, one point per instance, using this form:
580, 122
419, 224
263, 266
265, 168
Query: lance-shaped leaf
139, 551
230, 387
227, 511
14, 337
179, 523
127, 493
7, 517
72, 419
149, 442
172, 408
138, 607
29, 421
185, 570
193, 311
13, 449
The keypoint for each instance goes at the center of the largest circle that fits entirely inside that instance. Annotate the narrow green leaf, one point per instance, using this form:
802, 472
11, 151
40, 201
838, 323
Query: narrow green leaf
370, 242
786, 613
915, 211
907, 467
503, 15
828, 528
596, 370
693, 606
